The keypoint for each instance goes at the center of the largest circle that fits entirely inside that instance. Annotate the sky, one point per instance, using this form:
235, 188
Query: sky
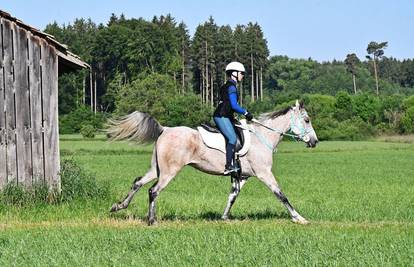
323, 30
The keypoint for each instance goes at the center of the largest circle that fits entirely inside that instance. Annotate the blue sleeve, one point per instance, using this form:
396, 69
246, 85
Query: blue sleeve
233, 100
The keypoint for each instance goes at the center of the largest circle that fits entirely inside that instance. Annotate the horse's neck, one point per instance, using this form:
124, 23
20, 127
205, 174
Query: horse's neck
281, 124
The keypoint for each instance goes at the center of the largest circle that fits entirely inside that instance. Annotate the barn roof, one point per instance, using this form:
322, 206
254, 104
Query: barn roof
66, 58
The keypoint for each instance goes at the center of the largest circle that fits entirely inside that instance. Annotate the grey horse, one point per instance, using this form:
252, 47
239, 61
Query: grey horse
176, 147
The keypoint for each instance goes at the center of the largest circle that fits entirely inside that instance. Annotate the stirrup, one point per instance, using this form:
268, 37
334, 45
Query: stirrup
230, 169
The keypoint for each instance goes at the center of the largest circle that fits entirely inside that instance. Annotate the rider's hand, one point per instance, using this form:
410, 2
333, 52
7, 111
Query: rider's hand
248, 116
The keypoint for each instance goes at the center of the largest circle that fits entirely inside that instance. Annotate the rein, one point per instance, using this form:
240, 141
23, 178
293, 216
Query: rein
296, 137
276, 130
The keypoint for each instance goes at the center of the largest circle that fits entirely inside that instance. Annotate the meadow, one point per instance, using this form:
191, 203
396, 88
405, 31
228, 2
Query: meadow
358, 197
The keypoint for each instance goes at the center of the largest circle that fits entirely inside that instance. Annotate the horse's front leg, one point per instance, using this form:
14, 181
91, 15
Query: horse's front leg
270, 181
235, 190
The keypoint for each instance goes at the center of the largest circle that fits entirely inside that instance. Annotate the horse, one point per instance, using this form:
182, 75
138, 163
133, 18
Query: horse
176, 147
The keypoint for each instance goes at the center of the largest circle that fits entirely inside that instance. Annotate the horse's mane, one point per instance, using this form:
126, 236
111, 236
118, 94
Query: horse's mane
274, 114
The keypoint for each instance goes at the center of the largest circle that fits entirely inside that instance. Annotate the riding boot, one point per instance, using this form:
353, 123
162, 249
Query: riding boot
230, 164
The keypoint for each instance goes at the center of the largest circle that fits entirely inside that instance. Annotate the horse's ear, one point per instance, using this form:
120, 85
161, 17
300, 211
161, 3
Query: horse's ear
297, 104
301, 104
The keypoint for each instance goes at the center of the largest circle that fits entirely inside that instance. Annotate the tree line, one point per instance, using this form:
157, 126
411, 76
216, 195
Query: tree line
133, 58
128, 48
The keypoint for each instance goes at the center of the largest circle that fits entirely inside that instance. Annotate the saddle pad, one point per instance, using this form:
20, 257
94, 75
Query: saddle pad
217, 141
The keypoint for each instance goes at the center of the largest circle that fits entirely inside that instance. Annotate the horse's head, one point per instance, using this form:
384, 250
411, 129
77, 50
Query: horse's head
300, 125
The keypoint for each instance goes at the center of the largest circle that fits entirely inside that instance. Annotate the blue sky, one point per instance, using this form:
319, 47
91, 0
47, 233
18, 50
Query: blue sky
324, 30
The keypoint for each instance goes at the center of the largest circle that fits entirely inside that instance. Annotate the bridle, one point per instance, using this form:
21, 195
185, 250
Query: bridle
303, 131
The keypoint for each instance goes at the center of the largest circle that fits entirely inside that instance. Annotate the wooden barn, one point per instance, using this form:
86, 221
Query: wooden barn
30, 62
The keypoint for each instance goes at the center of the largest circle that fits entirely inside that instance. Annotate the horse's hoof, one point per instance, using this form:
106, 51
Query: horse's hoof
152, 222
114, 207
300, 220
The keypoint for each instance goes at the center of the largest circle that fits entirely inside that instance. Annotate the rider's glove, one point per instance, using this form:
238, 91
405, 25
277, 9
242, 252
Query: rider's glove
248, 116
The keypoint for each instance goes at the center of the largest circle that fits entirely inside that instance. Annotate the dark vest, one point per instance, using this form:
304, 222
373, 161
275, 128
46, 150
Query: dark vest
224, 108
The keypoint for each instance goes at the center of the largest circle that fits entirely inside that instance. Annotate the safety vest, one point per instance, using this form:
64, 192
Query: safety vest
224, 108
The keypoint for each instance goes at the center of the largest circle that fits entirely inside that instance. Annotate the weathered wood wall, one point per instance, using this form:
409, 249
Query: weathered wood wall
29, 140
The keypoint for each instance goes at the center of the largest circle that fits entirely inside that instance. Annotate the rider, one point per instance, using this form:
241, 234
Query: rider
223, 115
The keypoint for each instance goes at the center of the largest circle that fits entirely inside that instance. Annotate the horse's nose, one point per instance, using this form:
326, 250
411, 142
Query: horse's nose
313, 142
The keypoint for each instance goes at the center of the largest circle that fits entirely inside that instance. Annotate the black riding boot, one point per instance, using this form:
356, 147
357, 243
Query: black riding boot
230, 164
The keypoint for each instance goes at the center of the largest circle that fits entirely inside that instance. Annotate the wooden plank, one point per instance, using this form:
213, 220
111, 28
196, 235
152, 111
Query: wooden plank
50, 114
21, 85
3, 147
36, 109
8, 37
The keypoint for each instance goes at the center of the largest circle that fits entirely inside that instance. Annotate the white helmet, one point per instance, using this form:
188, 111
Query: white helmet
235, 66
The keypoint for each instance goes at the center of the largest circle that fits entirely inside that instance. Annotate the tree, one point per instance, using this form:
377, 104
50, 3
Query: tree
204, 47
225, 52
241, 54
156, 94
184, 38
258, 53
149, 93
79, 37
377, 50
351, 62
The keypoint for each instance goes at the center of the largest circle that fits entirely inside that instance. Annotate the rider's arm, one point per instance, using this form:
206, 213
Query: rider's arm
233, 101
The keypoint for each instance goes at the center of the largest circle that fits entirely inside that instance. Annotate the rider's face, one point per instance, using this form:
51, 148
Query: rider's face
240, 76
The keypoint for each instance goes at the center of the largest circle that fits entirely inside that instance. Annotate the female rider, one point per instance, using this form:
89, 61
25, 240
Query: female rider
223, 115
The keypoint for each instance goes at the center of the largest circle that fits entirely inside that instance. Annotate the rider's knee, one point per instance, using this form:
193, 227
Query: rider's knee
232, 140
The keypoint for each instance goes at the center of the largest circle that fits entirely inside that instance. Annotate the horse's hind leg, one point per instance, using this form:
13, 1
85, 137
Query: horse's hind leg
154, 191
136, 185
235, 190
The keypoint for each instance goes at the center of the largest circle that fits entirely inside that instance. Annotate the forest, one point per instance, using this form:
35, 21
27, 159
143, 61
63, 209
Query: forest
157, 67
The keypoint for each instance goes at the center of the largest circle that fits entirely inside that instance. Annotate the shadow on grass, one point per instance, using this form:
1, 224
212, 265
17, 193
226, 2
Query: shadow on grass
206, 216
262, 215
122, 215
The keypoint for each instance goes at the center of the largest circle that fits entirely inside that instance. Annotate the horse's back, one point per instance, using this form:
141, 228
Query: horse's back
178, 144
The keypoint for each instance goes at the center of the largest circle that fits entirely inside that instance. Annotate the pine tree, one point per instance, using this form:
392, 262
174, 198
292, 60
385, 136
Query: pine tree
258, 53
204, 56
241, 54
351, 63
377, 50
184, 38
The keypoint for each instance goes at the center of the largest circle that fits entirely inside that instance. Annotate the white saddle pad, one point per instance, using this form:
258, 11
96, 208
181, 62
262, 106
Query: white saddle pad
217, 141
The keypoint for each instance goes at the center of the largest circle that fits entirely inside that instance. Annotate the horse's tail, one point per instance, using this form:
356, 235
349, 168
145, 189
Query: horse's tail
138, 127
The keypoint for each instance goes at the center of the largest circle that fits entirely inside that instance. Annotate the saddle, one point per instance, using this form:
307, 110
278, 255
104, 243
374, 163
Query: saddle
213, 138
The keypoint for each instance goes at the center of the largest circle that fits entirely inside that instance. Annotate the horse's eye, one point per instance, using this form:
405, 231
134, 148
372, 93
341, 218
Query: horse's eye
307, 120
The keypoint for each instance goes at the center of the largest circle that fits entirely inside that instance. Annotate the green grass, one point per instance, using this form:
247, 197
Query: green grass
358, 196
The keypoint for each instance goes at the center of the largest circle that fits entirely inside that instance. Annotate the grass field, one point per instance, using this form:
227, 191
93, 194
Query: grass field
358, 196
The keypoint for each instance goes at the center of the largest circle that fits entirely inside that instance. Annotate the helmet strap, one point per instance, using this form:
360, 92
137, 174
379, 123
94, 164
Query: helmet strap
235, 75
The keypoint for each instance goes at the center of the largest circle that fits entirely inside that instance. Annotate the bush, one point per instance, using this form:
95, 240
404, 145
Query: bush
149, 93
260, 106
88, 131
16, 195
76, 184
367, 107
186, 110
319, 105
407, 121
328, 128
408, 102
324, 127
73, 122
343, 106
80, 184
